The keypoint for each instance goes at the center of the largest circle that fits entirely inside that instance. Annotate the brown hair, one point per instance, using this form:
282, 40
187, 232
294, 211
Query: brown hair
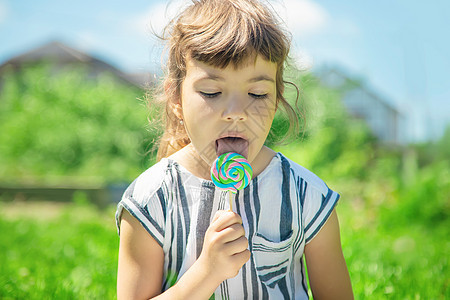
219, 32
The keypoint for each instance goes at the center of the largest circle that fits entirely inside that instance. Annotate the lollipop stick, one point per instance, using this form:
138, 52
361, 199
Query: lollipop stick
231, 203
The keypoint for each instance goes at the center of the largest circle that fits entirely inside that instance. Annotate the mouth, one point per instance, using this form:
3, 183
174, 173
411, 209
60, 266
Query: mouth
232, 144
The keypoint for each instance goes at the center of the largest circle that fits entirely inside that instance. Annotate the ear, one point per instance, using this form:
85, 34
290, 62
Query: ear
175, 104
177, 109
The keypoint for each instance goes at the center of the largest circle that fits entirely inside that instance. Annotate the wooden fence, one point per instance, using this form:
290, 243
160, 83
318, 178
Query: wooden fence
101, 196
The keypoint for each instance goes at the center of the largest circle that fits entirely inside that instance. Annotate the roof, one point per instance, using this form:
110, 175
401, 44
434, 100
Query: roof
341, 78
60, 53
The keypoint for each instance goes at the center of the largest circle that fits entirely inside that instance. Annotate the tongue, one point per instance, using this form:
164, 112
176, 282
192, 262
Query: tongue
237, 145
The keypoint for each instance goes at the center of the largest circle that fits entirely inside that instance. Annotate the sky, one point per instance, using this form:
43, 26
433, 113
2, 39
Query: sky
400, 48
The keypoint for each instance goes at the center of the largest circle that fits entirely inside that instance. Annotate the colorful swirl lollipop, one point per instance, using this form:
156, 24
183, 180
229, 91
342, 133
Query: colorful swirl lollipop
231, 172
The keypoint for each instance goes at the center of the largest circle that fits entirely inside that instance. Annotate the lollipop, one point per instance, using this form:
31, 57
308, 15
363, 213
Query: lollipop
231, 172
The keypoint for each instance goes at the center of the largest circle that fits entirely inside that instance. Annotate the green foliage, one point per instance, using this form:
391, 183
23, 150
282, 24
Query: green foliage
56, 123
332, 141
394, 208
429, 152
71, 256
395, 201
425, 199
387, 261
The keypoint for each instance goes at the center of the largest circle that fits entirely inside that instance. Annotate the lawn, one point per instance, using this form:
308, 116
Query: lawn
69, 251
388, 261
53, 251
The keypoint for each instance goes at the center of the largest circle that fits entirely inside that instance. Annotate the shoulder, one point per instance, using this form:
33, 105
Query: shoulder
300, 173
145, 200
149, 182
316, 198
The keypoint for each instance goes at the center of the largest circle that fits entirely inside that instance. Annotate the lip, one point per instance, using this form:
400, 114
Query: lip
232, 134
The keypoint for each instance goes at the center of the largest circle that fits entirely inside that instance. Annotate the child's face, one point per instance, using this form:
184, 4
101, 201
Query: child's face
228, 102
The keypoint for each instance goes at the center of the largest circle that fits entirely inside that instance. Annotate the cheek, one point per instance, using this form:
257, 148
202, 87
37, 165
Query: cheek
261, 114
199, 120
190, 106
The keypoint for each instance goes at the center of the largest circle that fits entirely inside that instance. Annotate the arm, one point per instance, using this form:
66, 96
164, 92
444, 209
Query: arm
327, 271
141, 261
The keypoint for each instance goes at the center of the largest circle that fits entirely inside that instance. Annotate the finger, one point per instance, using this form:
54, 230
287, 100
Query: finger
217, 215
236, 246
242, 257
224, 219
227, 219
232, 233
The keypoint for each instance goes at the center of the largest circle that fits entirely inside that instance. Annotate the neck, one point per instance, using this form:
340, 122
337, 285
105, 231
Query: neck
190, 159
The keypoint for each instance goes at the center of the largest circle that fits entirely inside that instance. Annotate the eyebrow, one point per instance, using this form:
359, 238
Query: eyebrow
219, 78
261, 78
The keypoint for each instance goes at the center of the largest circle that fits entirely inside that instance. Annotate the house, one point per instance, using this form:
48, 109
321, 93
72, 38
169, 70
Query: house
383, 119
63, 55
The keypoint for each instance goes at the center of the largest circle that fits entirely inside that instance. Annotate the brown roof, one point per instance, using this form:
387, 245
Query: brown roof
60, 53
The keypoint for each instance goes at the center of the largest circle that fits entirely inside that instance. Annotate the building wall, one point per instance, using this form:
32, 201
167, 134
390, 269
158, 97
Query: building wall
381, 119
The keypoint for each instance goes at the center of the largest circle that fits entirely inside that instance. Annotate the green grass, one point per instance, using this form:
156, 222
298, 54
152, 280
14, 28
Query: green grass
70, 252
70, 255
392, 261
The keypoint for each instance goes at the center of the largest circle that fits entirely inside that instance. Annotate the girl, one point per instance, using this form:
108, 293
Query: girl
177, 240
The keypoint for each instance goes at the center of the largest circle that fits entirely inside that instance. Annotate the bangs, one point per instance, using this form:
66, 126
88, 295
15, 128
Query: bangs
231, 32
220, 33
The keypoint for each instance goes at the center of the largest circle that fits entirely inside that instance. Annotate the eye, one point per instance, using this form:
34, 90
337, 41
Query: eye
210, 95
258, 96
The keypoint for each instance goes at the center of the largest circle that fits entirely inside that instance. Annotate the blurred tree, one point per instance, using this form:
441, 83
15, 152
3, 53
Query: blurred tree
331, 141
401, 182
56, 123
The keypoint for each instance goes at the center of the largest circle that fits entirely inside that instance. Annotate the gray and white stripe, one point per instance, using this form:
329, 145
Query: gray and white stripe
282, 209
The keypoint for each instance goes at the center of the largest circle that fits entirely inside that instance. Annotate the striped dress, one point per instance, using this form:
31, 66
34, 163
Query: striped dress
282, 209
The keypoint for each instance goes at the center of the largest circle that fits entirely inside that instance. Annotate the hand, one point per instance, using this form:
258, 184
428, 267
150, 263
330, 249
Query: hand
225, 246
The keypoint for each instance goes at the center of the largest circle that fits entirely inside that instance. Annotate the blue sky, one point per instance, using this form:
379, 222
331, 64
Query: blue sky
401, 48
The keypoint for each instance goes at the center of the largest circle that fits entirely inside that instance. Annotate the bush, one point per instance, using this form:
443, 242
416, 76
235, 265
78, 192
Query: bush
59, 124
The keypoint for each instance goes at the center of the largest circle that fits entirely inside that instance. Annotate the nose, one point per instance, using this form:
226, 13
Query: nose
235, 110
